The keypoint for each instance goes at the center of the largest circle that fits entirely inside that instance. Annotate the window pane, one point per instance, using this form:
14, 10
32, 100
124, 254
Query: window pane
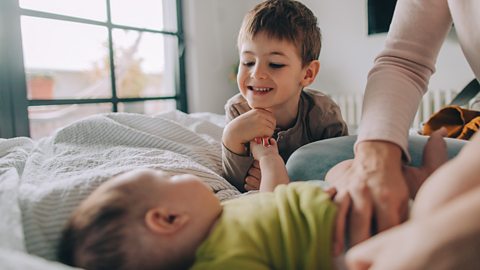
152, 14
44, 120
145, 63
87, 9
65, 60
148, 107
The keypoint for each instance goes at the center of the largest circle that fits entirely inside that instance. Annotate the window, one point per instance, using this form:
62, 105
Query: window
64, 60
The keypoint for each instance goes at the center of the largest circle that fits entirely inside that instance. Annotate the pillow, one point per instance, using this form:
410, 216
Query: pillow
314, 160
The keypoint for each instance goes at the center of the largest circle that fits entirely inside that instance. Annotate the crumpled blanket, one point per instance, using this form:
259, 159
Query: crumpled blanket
42, 182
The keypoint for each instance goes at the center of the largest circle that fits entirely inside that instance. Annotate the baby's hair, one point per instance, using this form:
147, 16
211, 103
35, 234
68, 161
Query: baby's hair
285, 20
81, 245
106, 233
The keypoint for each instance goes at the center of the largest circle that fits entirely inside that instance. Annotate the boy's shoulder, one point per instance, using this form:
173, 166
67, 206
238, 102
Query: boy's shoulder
318, 98
323, 114
319, 103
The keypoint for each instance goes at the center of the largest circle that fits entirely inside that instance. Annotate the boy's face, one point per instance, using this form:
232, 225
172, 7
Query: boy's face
270, 73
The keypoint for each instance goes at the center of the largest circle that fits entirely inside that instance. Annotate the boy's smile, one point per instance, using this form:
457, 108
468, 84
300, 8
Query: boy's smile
270, 74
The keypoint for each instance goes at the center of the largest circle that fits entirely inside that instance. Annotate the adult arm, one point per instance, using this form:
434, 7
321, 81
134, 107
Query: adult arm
444, 228
394, 89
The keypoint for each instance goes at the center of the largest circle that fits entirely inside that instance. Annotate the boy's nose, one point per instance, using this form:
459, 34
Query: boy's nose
259, 73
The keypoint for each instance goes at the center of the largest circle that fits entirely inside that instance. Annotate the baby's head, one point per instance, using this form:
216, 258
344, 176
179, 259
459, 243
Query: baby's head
285, 20
144, 219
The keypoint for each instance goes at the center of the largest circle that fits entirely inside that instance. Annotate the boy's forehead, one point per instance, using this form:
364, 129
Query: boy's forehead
268, 45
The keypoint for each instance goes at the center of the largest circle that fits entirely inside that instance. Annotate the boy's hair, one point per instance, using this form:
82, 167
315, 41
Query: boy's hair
109, 234
285, 20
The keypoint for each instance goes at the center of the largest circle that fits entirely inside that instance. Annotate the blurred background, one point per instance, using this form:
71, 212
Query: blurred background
62, 60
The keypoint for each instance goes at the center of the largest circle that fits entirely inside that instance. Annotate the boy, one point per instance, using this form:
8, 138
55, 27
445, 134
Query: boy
279, 43
147, 219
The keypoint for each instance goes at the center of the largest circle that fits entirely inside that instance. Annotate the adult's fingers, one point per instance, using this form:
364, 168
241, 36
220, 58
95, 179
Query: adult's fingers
361, 211
342, 200
331, 191
366, 255
390, 213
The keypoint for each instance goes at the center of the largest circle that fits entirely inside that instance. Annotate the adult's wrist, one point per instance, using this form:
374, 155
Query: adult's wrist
371, 156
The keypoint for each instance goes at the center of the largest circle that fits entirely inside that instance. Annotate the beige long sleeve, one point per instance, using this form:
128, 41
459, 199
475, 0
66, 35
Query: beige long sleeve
402, 70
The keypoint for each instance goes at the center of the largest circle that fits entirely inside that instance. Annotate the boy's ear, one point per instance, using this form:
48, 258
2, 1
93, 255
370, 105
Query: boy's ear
311, 71
160, 220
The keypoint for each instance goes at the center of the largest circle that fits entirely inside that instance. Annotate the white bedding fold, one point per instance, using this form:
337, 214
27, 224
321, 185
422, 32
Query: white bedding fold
61, 170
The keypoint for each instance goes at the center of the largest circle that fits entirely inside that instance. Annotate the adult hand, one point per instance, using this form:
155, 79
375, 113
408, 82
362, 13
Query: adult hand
436, 240
397, 248
376, 186
246, 127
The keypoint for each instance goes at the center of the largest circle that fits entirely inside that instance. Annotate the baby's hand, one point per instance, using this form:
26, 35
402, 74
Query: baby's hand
244, 128
263, 147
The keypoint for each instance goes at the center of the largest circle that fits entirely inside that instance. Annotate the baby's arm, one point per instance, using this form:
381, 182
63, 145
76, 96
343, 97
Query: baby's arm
273, 168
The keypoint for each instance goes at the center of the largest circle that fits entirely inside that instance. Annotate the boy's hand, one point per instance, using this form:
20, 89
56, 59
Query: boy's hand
244, 128
254, 176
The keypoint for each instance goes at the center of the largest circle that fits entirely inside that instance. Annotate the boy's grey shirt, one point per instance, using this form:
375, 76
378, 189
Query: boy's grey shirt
318, 118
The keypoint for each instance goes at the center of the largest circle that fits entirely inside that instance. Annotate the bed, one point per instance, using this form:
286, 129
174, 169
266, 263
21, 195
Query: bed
41, 182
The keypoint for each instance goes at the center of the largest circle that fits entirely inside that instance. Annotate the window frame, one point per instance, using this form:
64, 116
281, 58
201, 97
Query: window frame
14, 102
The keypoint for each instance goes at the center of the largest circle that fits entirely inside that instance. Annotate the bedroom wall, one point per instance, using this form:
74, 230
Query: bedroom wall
211, 27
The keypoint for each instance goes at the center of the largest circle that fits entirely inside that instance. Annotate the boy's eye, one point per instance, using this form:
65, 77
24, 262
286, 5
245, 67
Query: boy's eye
273, 65
248, 64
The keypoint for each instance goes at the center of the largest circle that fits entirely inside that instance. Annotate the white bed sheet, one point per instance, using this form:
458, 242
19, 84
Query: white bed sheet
42, 182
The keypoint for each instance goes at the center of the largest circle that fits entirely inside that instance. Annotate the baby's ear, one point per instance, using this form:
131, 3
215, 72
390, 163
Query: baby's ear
311, 71
160, 220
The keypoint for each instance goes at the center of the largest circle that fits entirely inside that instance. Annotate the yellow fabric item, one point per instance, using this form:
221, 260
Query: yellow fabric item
460, 123
290, 228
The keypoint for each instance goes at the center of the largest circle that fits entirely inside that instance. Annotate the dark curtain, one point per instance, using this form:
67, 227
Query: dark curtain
380, 14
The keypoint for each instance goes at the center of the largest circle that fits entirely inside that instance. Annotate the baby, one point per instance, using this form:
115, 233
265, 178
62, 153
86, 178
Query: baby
148, 219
